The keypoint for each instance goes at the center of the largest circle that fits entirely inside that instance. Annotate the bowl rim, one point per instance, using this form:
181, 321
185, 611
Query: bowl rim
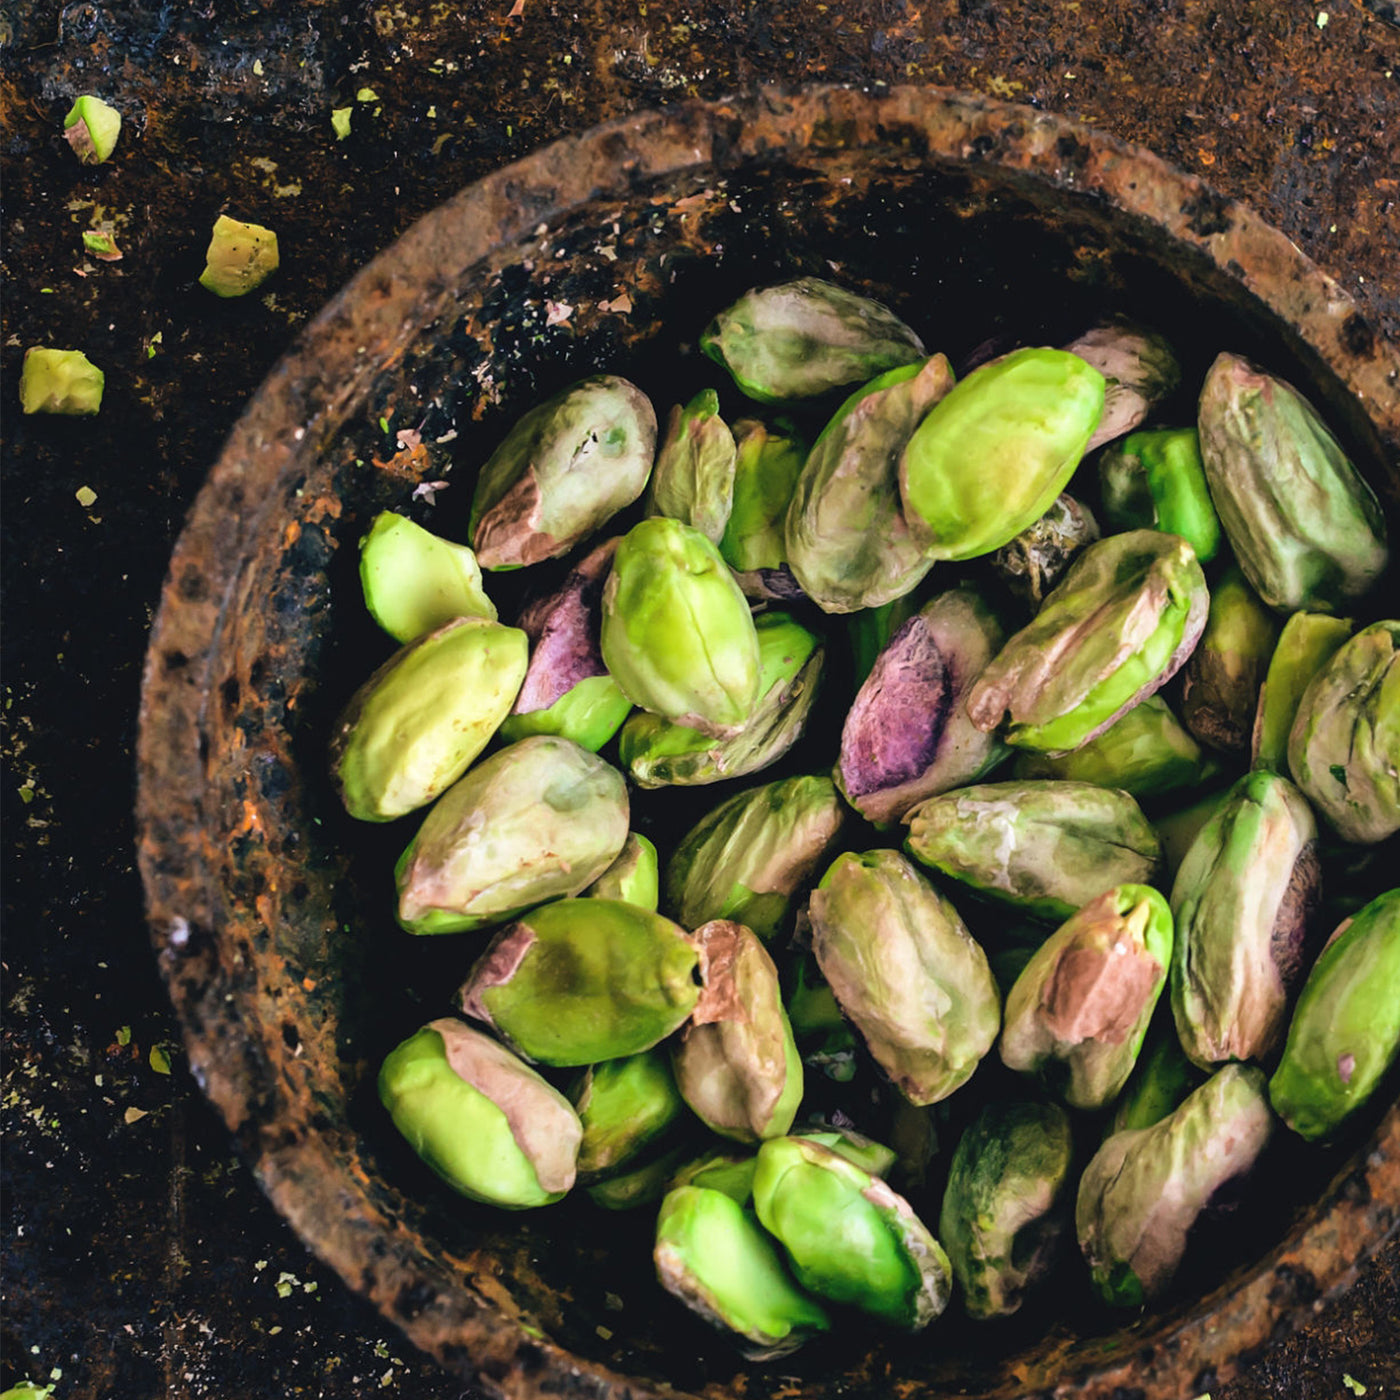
482, 1335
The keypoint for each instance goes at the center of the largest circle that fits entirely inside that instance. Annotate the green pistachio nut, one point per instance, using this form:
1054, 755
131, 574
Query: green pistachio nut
1004, 1212
1116, 629
905, 971
414, 581
693, 479
1345, 1032
747, 858
565, 469
993, 454
907, 736
736, 1063
1046, 847
658, 753
712, 1255
1146, 753
411, 731
624, 1106
1139, 371
239, 259
766, 469
91, 128
581, 981
641, 1184
487, 1124
1079, 1011
846, 538
1178, 830
1156, 480
1306, 529
677, 634
803, 338
1160, 1080
848, 1236
634, 876
723, 1170
868, 1155
1145, 1188
1244, 900
60, 381
537, 820
1035, 561
567, 688
1306, 643
1344, 747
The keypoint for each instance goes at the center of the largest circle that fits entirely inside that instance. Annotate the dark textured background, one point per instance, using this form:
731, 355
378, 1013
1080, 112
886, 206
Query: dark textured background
140, 1258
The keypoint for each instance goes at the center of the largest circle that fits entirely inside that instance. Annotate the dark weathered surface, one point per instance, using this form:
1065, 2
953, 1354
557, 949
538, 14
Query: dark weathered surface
141, 1260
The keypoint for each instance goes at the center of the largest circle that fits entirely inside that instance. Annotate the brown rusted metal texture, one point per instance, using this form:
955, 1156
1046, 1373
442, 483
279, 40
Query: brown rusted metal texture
271, 911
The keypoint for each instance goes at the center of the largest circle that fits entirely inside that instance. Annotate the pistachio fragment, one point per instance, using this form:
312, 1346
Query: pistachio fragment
91, 128
624, 1105
766, 468
1139, 371
60, 381
693, 479
1306, 643
239, 259
1156, 480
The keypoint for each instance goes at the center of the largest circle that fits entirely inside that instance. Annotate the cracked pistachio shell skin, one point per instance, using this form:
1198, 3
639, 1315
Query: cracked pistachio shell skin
624, 1106
906, 736
487, 1124
562, 472
537, 820
846, 538
1146, 753
1003, 1217
1344, 747
1080, 1009
995, 451
1144, 1188
767, 464
713, 1255
1155, 480
905, 971
1139, 370
411, 731
1047, 847
677, 634
1307, 530
657, 753
848, 1237
1244, 899
1117, 627
1035, 561
693, 479
736, 1063
1305, 645
801, 339
1345, 1032
581, 981
752, 854
635, 876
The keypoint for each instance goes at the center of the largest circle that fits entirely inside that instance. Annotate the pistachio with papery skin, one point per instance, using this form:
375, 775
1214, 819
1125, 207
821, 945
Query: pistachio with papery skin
693, 479
1139, 371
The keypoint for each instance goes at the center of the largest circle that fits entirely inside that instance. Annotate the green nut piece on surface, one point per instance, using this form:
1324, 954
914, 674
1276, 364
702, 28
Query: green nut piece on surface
1306, 643
1046, 847
1307, 530
239, 259
991, 457
906, 971
537, 820
1146, 753
766, 469
1116, 629
803, 338
736, 1063
581, 981
91, 128
624, 1106
1157, 481
1144, 1188
1344, 747
658, 753
1079, 1011
1345, 1032
487, 1124
846, 538
712, 1255
633, 877
60, 381
693, 479
414, 581
1004, 1213
677, 634
848, 1236
1160, 1080
1035, 561
1244, 900
1139, 371
565, 469
747, 858
413, 728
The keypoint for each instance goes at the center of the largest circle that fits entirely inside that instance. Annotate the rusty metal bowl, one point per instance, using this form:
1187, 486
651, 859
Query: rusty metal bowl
270, 910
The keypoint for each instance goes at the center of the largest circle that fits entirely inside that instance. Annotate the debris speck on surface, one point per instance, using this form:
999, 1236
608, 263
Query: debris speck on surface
133, 1115
85, 496
340, 121
1353, 1385
427, 491
556, 313
102, 245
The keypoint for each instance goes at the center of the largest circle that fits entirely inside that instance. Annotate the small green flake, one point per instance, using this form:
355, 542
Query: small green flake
26, 793
1353, 1385
1339, 773
383, 424
159, 1060
340, 121
432, 112
151, 344
123, 1035
46, 291
101, 245
85, 496
257, 68
366, 94
1322, 18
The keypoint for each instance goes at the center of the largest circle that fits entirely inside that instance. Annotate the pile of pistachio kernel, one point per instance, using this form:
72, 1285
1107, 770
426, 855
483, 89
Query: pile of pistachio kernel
1008, 756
